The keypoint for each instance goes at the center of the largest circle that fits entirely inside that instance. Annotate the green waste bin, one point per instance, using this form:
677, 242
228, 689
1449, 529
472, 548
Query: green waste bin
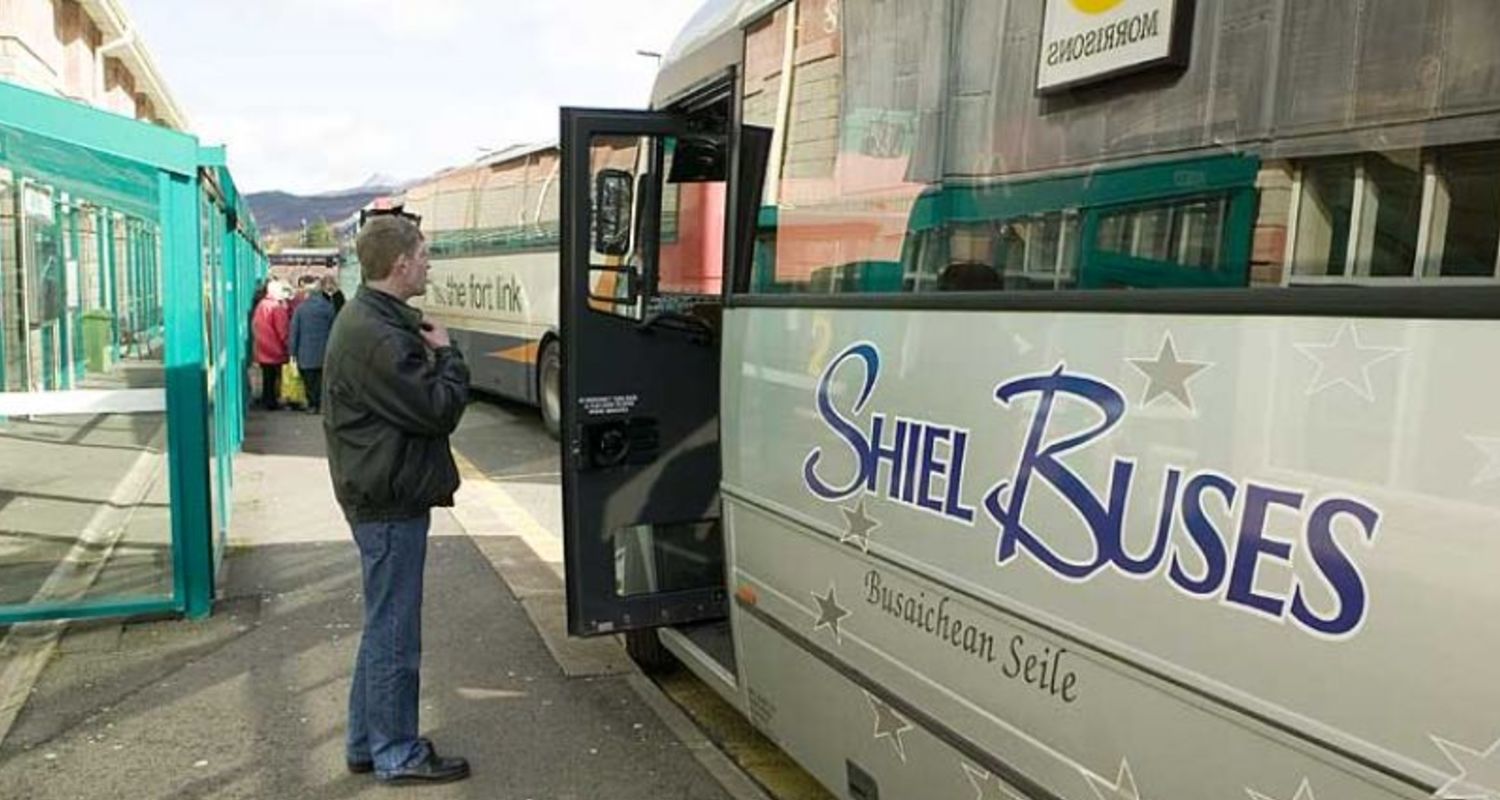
98, 334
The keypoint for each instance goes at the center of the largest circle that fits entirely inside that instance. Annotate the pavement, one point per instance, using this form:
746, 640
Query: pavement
250, 703
83, 501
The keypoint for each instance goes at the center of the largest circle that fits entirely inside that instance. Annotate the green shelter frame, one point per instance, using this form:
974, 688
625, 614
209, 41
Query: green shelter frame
177, 255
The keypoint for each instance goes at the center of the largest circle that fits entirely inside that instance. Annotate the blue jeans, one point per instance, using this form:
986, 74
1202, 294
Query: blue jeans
387, 679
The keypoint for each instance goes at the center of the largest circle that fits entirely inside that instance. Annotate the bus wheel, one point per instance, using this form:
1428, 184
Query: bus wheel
646, 650
549, 387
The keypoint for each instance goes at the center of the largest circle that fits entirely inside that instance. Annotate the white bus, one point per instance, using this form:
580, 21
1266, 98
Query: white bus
492, 231
1097, 405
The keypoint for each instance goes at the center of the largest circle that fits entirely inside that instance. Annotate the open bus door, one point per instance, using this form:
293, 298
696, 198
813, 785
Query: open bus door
640, 414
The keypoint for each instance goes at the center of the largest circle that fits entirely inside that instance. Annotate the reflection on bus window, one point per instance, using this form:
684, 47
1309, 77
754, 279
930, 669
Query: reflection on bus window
611, 279
694, 194
1406, 214
900, 154
1187, 234
1323, 226
668, 558
1388, 226
1026, 253
1465, 214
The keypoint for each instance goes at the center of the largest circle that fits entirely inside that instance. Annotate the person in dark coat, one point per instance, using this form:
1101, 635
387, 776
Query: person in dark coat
311, 324
397, 388
334, 293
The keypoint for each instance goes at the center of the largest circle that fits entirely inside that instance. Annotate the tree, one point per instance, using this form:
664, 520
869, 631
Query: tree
319, 234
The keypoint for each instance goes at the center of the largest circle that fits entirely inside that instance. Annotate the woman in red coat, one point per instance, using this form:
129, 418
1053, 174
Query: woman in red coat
270, 325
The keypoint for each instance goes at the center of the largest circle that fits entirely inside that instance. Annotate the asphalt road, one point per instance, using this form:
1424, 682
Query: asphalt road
507, 442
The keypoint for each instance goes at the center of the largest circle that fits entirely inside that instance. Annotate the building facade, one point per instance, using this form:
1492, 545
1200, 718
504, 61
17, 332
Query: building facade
84, 50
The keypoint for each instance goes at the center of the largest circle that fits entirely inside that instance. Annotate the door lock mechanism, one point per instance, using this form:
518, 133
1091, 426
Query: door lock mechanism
611, 444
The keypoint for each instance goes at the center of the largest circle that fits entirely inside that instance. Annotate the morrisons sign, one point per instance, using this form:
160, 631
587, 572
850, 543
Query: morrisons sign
1089, 40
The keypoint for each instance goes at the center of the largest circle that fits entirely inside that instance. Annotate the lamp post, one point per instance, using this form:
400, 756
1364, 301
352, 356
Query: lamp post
654, 55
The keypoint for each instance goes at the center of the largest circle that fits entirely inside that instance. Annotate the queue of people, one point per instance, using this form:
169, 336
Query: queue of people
289, 330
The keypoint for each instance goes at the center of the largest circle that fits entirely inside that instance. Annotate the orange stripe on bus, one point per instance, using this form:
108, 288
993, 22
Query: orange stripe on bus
525, 354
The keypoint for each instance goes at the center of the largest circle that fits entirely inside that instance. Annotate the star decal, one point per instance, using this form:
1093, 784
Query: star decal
830, 613
1123, 788
857, 526
1478, 775
1304, 792
889, 725
1490, 446
1346, 361
987, 786
1168, 375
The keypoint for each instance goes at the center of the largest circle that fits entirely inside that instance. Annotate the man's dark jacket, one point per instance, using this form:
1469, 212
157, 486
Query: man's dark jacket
390, 403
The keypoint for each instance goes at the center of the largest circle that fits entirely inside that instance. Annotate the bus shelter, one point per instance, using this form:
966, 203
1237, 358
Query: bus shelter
126, 261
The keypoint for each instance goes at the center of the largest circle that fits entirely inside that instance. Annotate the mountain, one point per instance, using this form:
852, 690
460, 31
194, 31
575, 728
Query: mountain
381, 181
283, 211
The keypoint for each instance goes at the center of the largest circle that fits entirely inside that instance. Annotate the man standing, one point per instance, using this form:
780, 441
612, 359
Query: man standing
311, 324
395, 389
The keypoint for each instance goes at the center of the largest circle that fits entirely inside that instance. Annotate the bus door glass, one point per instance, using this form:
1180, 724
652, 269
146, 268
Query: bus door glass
693, 202
642, 252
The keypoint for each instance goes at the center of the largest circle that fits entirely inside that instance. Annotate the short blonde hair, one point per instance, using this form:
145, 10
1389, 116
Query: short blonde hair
383, 241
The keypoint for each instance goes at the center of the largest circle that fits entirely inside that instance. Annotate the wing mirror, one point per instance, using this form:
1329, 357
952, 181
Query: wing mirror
614, 198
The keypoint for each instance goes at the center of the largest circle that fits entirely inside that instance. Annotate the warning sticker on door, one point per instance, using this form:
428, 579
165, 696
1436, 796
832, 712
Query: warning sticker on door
608, 406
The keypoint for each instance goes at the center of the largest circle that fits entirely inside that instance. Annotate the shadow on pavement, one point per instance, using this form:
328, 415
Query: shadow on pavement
251, 702
506, 441
77, 486
297, 434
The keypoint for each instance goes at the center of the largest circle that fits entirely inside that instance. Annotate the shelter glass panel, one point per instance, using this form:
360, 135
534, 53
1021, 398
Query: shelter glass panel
85, 506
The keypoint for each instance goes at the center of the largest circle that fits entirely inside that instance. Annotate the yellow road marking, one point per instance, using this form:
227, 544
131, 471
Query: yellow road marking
543, 542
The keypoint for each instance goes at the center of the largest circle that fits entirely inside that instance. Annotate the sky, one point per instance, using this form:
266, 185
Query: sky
319, 95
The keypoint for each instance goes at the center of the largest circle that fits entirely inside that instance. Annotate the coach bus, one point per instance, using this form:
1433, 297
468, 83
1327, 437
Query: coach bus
292, 266
491, 229
1096, 402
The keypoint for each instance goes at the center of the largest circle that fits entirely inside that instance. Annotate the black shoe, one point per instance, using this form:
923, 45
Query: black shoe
436, 769
365, 766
